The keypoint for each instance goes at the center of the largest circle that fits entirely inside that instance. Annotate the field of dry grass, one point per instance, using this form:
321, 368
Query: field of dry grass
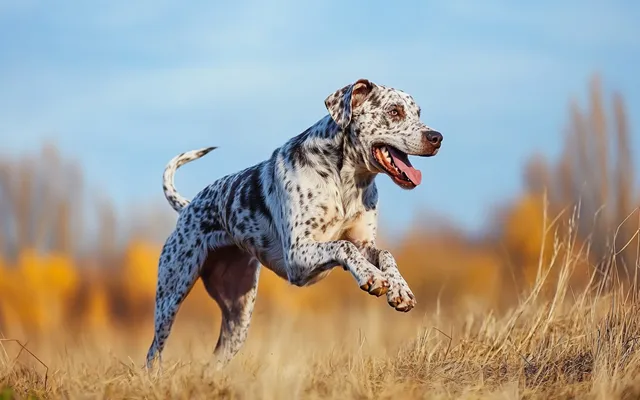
555, 345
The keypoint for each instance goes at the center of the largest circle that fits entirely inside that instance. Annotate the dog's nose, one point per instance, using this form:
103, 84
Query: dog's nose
434, 137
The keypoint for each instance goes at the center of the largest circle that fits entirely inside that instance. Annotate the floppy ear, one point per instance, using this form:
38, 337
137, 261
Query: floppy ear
341, 102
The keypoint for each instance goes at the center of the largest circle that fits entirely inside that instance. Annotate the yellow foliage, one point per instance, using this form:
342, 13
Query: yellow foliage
482, 276
52, 273
36, 292
524, 227
98, 313
528, 236
526, 241
140, 270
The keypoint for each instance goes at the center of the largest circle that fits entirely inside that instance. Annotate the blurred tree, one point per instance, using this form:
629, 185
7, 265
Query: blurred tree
594, 175
40, 203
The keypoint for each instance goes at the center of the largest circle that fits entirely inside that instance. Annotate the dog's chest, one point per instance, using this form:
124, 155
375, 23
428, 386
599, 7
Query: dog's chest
343, 212
338, 221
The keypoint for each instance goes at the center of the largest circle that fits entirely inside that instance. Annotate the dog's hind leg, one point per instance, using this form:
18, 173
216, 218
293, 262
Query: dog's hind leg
178, 270
177, 273
230, 276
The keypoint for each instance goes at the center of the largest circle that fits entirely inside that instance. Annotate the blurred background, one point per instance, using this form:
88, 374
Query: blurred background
539, 104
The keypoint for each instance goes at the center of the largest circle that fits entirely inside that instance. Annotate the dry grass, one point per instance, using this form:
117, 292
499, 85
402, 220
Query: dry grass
580, 347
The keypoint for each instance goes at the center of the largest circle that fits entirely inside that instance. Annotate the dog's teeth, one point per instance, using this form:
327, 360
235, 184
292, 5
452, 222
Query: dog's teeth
386, 155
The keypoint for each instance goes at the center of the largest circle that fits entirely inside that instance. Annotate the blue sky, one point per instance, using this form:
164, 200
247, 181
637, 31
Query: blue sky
123, 86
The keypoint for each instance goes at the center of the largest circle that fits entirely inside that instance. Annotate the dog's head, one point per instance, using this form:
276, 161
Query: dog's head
387, 128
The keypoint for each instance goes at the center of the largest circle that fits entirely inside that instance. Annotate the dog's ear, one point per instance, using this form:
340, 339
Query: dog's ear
341, 102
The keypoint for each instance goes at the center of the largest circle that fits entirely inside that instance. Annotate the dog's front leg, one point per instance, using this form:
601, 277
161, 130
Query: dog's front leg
307, 260
399, 295
363, 235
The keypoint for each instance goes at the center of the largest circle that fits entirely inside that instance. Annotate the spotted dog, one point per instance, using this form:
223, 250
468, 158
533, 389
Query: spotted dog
310, 207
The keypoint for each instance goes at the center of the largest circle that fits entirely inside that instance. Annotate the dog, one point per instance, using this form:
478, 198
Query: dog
310, 207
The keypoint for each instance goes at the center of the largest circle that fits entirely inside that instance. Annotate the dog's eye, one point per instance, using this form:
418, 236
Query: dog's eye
393, 113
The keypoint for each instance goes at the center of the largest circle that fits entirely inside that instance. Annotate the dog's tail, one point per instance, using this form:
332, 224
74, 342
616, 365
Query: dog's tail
174, 198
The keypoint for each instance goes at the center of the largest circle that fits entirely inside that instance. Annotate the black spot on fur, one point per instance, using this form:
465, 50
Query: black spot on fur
256, 197
237, 180
241, 227
209, 225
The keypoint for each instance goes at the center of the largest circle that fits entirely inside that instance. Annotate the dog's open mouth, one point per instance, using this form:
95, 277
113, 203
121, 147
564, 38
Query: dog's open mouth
396, 164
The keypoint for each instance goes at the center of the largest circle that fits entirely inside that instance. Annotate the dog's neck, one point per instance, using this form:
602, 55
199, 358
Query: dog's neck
349, 151
335, 154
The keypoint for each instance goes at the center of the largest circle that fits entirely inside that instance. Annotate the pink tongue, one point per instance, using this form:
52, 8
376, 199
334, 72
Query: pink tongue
403, 164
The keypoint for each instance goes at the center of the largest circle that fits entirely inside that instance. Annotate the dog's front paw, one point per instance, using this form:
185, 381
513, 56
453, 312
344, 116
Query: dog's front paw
375, 283
400, 297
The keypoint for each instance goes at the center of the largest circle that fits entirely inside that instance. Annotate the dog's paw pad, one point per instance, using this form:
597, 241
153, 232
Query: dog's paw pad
376, 286
401, 299
380, 290
405, 306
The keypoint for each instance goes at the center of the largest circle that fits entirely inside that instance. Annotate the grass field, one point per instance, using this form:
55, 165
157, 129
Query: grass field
561, 345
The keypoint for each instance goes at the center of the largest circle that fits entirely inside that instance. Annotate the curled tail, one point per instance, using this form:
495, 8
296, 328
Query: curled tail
174, 198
